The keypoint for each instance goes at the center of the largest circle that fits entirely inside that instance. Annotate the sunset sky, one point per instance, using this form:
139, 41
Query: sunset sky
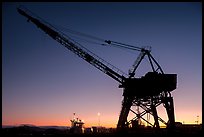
43, 83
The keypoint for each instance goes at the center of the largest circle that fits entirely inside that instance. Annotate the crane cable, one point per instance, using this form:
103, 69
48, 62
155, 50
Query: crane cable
107, 42
75, 37
92, 40
78, 34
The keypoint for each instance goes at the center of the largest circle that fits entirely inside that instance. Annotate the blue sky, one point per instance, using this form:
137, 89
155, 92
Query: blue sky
44, 83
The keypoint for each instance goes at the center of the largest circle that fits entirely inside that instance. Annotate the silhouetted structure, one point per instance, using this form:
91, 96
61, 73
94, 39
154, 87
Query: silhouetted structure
77, 126
184, 130
147, 92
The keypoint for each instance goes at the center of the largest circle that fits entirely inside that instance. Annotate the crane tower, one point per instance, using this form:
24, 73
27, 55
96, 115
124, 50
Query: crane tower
146, 92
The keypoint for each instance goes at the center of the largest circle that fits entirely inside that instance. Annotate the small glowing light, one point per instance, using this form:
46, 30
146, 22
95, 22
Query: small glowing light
99, 114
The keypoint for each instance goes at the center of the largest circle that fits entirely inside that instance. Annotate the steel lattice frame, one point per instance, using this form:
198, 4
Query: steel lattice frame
147, 105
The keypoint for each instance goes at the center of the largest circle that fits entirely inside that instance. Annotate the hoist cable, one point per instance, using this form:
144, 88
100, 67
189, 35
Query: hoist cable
80, 33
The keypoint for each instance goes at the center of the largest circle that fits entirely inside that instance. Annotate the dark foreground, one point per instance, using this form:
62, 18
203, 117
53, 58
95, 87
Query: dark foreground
36, 131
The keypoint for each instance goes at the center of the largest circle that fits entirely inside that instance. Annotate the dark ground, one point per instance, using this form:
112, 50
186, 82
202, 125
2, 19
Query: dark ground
36, 131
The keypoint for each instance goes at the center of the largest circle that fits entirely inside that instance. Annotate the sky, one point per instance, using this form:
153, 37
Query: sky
43, 83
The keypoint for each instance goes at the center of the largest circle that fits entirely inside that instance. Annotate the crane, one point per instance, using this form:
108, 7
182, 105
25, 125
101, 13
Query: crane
146, 92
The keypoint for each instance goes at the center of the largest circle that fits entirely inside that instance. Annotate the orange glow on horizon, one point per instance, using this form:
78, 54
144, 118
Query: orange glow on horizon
105, 123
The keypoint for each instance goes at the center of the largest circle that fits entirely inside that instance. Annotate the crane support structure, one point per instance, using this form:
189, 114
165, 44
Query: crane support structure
146, 93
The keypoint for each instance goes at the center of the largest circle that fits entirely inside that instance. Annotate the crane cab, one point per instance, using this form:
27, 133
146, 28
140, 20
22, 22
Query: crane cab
151, 84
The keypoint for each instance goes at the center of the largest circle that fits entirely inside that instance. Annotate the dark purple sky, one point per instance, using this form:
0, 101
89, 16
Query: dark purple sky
44, 84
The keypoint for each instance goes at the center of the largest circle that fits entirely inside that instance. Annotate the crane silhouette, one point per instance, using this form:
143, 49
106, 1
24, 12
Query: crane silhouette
146, 92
